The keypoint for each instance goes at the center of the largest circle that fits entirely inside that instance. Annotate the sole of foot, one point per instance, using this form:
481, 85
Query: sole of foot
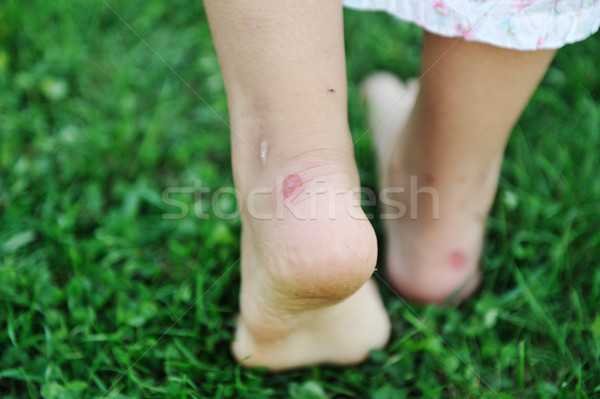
306, 296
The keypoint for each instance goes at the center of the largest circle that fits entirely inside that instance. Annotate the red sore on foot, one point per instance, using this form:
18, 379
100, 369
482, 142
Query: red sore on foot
290, 185
458, 260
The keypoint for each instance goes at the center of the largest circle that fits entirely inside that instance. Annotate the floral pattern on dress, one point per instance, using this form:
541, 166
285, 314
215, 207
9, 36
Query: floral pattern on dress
513, 24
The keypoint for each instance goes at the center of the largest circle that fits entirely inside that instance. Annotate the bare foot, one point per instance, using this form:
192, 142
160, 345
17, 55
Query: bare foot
306, 294
429, 259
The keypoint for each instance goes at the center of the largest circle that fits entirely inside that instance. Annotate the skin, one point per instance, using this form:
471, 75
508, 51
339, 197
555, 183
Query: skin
306, 297
306, 294
453, 142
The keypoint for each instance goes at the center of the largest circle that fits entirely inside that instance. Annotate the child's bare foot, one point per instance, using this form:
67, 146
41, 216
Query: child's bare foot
428, 259
306, 296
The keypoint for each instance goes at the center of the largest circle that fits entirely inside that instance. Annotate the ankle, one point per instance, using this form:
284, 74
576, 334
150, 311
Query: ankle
295, 177
266, 146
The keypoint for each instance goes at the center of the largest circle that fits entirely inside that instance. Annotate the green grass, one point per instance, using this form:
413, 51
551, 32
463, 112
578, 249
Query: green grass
101, 297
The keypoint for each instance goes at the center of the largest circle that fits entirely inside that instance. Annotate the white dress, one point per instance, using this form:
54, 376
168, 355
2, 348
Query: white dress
513, 24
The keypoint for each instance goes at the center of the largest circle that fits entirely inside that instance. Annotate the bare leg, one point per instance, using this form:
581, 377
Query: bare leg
454, 141
306, 261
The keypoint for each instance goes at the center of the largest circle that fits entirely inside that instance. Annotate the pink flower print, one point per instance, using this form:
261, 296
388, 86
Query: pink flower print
540, 42
464, 31
522, 4
440, 7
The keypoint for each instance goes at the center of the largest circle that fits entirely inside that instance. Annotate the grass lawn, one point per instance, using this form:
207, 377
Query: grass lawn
100, 297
